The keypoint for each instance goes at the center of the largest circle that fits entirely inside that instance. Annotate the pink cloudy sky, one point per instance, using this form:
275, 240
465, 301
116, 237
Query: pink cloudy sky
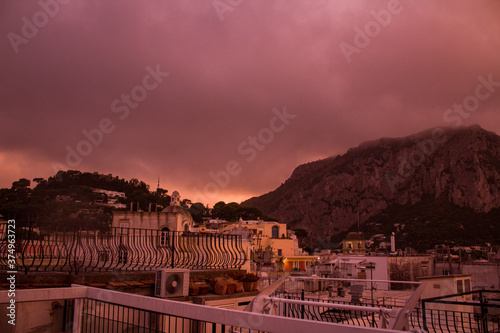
226, 77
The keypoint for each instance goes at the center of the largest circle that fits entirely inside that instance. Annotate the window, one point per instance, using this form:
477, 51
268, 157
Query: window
280, 252
275, 232
460, 286
295, 265
467, 285
349, 245
164, 236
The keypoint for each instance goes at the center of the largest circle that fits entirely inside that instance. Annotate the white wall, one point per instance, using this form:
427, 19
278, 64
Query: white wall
380, 272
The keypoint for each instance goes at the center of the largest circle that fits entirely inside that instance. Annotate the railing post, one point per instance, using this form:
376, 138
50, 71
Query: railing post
302, 306
424, 320
484, 313
285, 306
77, 315
174, 235
76, 249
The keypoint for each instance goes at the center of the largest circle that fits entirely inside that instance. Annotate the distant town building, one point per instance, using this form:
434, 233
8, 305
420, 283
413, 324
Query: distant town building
381, 267
110, 194
326, 256
271, 245
112, 198
354, 243
436, 286
173, 218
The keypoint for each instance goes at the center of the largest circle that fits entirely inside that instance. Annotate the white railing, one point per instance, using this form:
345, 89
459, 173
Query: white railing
237, 320
394, 318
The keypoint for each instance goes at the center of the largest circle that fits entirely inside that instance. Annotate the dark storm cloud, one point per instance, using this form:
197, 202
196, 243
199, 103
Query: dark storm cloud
226, 77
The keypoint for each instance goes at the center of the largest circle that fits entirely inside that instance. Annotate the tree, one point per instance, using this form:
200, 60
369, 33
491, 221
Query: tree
21, 183
39, 181
233, 212
197, 211
161, 192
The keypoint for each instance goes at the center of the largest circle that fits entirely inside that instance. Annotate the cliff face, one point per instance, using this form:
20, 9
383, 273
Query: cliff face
327, 196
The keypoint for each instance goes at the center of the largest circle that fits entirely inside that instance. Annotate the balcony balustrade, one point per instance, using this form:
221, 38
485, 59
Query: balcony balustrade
120, 249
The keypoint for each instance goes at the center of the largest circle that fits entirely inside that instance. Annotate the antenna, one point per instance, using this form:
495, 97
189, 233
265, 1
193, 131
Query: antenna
157, 187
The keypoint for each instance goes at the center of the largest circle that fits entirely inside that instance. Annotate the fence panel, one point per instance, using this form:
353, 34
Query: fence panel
54, 249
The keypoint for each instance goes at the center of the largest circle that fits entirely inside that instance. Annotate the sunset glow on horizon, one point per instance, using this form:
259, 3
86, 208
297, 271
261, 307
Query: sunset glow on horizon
222, 100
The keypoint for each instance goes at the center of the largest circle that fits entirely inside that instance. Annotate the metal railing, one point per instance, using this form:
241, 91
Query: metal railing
304, 298
429, 320
477, 311
103, 310
119, 249
321, 310
474, 311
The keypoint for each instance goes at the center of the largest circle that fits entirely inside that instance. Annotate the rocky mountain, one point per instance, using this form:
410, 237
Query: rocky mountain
458, 165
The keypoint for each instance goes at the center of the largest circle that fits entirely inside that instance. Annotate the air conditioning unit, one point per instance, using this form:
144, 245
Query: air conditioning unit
171, 282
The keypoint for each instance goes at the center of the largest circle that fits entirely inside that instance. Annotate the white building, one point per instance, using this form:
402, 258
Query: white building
402, 268
173, 218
